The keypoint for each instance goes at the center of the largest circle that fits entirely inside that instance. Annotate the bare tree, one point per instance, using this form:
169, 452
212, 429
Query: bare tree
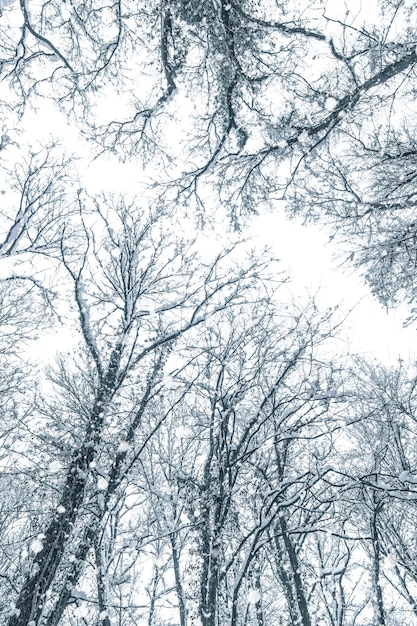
33, 214
193, 400
137, 289
258, 399
378, 490
269, 83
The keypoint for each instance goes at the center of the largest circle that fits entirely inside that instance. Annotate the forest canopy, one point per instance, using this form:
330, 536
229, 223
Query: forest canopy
202, 451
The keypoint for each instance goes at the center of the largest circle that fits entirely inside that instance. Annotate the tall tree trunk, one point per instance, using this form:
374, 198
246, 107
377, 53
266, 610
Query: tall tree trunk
73, 575
32, 596
258, 604
178, 581
29, 605
104, 619
376, 566
292, 583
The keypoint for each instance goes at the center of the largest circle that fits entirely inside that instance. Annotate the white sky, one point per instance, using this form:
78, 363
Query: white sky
305, 251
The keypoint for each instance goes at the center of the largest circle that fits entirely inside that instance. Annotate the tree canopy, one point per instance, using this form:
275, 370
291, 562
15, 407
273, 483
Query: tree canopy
202, 452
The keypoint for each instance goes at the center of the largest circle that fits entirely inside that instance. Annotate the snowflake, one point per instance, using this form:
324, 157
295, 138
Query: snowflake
253, 596
36, 546
330, 104
123, 447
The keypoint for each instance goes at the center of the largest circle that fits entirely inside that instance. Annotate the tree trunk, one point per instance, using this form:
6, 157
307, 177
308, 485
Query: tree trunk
379, 602
292, 582
178, 581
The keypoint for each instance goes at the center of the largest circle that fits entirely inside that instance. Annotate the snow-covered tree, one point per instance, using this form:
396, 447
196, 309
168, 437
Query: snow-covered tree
198, 455
137, 289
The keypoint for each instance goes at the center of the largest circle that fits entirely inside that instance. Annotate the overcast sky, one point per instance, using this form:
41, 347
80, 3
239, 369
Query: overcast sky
313, 264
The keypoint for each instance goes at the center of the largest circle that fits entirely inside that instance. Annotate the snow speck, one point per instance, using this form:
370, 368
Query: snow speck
102, 483
36, 546
253, 596
123, 447
60, 509
282, 144
330, 104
